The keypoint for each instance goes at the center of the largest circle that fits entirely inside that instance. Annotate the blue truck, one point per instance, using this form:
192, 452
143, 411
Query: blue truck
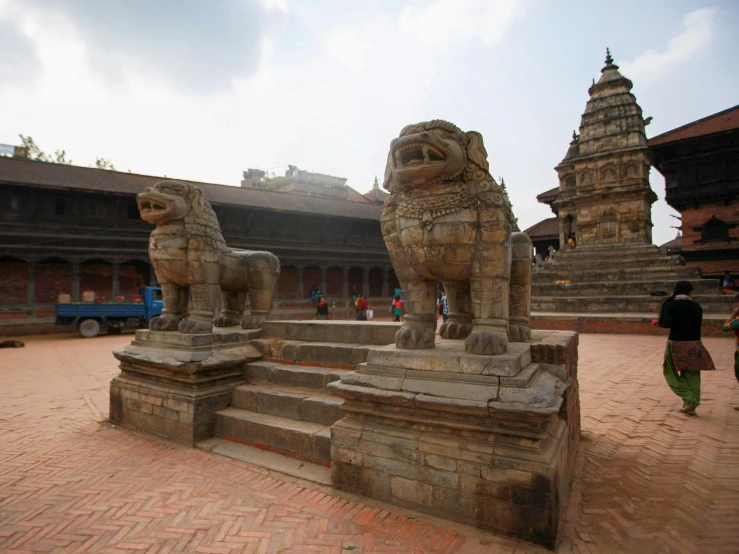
91, 317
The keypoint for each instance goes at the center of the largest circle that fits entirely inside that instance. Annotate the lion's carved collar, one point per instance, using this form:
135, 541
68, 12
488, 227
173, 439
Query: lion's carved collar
428, 205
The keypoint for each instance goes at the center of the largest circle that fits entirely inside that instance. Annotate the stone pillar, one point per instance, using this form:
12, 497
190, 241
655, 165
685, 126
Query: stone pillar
385, 291
344, 282
324, 287
116, 280
75, 281
31, 283
365, 281
299, 271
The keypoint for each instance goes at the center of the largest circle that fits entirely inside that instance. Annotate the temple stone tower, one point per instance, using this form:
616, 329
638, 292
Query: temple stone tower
604, 194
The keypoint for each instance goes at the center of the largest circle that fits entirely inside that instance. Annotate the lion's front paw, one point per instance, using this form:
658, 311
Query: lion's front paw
414, 337
519, 333
164, 323
455, 329
195, 327
487, 342
253, 321
226, 321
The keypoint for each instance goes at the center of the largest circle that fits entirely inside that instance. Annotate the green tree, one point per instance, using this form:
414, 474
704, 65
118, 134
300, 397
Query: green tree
102, 163
29, 150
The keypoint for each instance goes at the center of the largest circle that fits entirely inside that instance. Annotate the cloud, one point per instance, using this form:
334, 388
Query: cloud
697, 34
19, 60
348, 49
181, 43
456, 20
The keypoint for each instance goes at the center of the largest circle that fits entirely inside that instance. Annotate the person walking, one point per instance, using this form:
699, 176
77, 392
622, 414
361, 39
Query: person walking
685, 355
322, 308
444, 306
397, 307
362, 306
732, 325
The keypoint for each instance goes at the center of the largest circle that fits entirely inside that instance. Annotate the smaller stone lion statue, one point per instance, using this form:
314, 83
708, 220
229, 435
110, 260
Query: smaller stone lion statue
193, 264
447, 220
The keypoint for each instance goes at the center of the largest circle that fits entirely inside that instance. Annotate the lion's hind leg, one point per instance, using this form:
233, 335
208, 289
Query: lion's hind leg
459, 321
264, 271
519, 328
232, 308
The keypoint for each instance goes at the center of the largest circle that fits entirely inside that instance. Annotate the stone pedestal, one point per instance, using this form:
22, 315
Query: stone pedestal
171, 384
488, 441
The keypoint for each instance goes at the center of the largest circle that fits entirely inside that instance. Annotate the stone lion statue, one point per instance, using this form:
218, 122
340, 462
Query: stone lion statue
447, 220
193, 263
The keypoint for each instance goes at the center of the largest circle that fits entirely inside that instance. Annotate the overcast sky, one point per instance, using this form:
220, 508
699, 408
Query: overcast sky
204, 90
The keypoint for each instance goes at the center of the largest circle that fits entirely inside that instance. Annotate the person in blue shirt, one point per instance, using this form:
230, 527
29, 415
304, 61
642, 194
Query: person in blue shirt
444, 305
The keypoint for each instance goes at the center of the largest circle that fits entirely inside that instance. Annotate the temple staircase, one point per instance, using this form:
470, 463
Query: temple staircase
617, 283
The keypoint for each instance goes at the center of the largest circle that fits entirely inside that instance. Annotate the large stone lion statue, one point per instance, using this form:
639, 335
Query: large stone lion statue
193, 264
446, 219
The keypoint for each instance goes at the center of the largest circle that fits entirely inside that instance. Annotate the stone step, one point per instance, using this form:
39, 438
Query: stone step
607, 263
616, 252
618, 274
294, 403
711, 304
619, 288
330, 354
302, 439
289, 375
357, 332
315, 473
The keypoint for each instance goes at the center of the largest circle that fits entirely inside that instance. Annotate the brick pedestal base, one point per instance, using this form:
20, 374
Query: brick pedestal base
486, 441
171, 384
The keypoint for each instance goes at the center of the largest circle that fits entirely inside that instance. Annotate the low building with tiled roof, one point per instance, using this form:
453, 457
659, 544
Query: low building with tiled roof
544, 234
69, 229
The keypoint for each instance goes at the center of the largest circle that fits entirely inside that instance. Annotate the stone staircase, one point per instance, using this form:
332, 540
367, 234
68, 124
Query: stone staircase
631, 280
281, 416
283, 408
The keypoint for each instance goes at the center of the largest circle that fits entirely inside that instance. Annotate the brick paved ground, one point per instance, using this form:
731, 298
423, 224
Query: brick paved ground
648, 479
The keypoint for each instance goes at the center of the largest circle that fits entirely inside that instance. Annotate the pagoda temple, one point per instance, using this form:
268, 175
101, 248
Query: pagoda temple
604, 194
607, 276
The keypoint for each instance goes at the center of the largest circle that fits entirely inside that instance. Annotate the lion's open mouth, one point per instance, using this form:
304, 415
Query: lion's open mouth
150, 206
417, 155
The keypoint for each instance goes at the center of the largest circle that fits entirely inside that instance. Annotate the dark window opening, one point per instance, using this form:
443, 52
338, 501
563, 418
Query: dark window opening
60, 206
133, 212
715, 230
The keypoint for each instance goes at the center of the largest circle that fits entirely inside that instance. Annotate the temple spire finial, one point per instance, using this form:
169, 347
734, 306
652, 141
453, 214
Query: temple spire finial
609, 59
376, 185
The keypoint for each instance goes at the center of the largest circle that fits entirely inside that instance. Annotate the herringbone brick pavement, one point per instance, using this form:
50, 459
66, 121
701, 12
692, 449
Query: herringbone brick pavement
648, 479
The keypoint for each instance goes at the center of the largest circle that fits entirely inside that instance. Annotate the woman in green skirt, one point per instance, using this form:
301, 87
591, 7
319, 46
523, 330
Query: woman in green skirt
685, 355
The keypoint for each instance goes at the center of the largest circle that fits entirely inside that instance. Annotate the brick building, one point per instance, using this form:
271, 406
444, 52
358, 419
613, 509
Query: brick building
69, 229
700, 163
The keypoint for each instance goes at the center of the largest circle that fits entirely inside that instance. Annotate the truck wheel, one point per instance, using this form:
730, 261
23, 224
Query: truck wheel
89, 328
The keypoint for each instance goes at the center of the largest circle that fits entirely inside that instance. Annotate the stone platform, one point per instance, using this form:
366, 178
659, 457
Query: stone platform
171, 384
488, 441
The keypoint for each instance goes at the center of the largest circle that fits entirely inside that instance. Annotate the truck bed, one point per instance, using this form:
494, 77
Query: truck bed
102, 309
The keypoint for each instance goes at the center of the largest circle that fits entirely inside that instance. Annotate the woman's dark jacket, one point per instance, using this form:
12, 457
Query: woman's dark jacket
322, 309
683, 318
